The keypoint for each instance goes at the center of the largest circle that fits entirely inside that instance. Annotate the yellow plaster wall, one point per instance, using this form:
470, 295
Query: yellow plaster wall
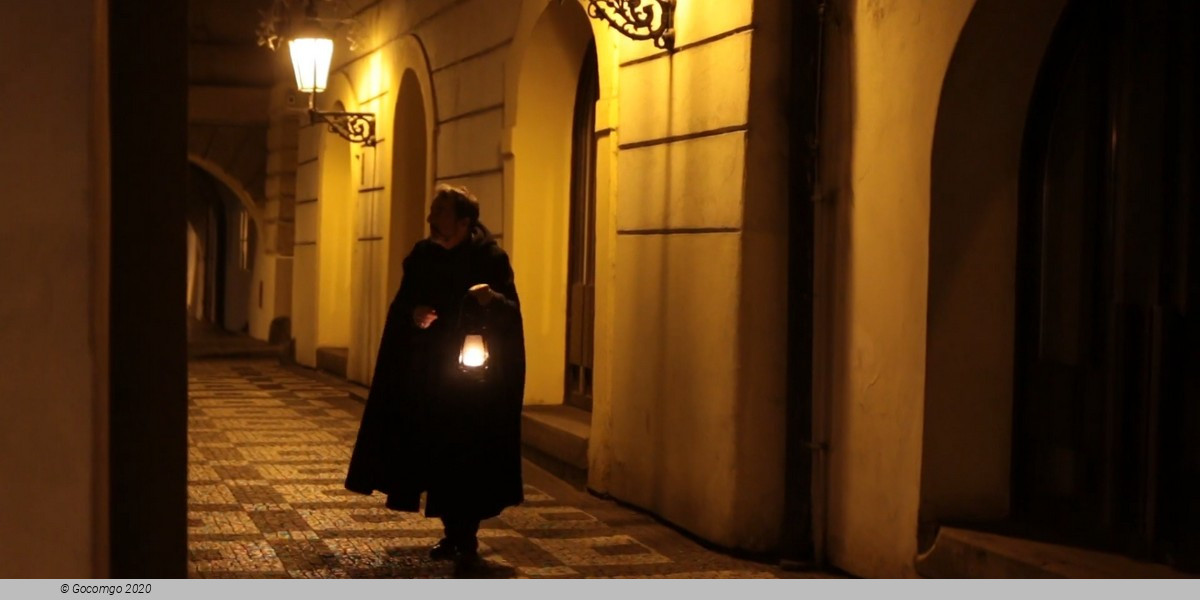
335, 266
53, 304
265, 274
700, 279
306, 248
469, 46
886, 60
335, 240
675, 379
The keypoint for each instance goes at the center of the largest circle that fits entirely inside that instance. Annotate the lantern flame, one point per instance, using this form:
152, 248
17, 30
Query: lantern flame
474, 352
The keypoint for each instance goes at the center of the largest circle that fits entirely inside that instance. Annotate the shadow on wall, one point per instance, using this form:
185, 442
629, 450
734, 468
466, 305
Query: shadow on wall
832, 254
976, 161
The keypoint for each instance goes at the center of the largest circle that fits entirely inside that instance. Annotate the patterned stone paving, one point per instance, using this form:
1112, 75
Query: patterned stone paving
268, 449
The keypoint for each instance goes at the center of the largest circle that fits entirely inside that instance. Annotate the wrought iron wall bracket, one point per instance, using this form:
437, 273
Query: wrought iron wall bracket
355, 127
639, 19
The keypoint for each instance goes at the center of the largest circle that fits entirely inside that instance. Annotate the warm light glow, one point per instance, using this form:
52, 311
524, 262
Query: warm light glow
373, 79
311, 58
474, 352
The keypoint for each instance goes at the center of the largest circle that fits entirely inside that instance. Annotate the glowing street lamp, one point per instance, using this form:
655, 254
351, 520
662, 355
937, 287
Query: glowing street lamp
311, 49
311, 57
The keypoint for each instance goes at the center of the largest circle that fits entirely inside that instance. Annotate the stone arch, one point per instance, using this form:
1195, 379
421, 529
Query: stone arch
548, 51
410, 177
975, 170
236, 311
235, 185
408, 61
532, 11
222, 243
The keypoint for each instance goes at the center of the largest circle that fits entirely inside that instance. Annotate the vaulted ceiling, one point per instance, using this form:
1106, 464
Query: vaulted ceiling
230, 79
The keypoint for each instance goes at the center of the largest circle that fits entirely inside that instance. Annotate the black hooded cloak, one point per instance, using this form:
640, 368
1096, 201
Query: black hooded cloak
426, 427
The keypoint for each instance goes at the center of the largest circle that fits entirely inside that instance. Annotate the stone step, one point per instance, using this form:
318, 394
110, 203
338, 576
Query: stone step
333, 360
966, 553
555, 437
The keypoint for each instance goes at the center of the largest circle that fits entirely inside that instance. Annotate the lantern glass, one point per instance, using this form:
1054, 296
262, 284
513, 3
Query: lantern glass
311, 57
474, 352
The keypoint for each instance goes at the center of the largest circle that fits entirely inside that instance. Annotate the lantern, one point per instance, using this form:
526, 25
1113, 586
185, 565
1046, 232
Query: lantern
474, 354
311, 47
311, 57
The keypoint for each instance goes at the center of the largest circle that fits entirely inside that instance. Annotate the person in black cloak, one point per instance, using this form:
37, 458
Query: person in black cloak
429, 424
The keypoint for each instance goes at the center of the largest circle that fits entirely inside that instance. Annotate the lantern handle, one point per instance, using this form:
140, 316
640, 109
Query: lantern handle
462, 304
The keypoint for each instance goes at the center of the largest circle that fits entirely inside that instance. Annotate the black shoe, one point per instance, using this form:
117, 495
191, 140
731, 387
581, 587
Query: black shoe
468, 551
444, 550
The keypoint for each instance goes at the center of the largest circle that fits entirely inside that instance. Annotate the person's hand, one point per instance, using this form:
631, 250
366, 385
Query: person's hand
482, 293
423, 316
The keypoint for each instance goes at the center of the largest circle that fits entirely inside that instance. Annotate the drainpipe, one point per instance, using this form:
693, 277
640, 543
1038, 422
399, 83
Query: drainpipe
803, 544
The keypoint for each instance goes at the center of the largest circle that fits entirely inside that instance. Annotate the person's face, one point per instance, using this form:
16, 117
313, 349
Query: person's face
444, 226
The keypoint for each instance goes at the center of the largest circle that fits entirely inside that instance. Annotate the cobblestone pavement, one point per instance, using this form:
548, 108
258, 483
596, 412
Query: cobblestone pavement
268, 447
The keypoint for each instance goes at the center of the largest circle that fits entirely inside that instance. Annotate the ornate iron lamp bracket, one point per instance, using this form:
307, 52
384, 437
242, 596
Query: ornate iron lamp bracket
277, 25
355, 127
639, 19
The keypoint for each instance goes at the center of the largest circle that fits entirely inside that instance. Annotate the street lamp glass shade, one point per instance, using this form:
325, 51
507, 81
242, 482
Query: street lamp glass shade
310, 61
474, 352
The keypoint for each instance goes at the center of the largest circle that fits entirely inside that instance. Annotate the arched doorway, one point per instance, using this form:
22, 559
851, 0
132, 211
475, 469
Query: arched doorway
552, 222
581, 245
410, 188
220, 253
1107, 401
410, 179
971, 304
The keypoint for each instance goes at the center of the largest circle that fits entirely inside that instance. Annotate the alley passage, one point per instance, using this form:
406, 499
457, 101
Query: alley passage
268, 448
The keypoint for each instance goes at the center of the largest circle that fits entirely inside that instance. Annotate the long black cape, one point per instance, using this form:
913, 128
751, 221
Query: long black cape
426, 427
